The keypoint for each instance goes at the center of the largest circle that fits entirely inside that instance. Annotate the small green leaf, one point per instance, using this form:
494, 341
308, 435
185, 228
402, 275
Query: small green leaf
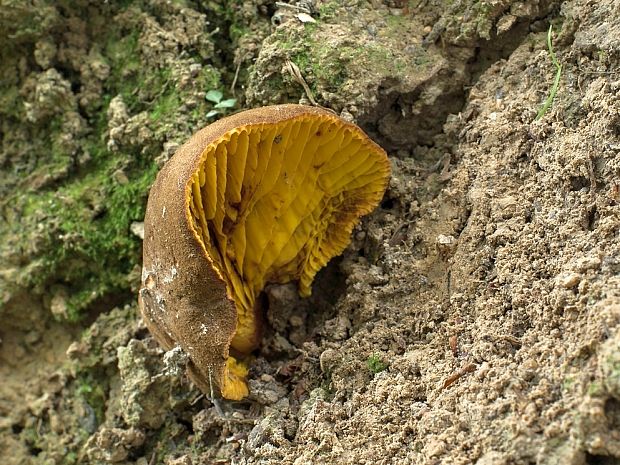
214, 96
228, 103
375, 364
212, 113
556, 81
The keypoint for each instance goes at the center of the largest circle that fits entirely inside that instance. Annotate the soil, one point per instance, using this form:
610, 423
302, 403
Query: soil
475, 317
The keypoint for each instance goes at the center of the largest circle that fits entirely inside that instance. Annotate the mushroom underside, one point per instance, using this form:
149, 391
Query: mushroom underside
273, 203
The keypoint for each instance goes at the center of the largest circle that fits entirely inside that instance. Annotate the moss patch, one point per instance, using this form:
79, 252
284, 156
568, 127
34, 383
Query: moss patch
68, 196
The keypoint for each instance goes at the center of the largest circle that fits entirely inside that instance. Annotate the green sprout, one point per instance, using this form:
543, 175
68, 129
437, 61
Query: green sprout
556, 82
221, 106
375, 364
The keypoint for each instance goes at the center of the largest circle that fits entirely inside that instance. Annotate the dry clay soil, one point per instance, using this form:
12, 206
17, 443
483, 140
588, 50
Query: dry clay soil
475, 316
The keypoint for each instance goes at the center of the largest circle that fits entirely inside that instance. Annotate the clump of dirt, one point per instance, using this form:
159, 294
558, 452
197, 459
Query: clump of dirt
475, 316
385, 67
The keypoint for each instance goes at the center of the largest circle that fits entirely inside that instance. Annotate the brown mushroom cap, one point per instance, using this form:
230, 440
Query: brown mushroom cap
268, 195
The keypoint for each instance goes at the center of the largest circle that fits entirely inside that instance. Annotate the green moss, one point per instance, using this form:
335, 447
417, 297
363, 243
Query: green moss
10, 101
236, 26
612, 372
123, 52
595, 389
66, 219
328, 10
482, 22
396, 22
65, 212
384, 58
237, 31
209, 78
92, 390
568, 383
88, 246
320, 64
376, 364
31, 437
110, 251
20, 22
327, 68
275, 84
165, 105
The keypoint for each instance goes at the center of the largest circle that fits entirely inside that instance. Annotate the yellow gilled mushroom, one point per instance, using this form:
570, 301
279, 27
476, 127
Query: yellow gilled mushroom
268, 195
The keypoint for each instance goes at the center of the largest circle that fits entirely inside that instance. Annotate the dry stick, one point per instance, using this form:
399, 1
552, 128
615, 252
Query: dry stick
234, 83
450, 380
296, 73
195, 401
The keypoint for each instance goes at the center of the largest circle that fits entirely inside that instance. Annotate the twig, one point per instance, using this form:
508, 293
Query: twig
292, 7
450, 380
234, 82
293, 69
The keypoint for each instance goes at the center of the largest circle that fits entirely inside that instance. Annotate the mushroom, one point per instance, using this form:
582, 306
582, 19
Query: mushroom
268, 195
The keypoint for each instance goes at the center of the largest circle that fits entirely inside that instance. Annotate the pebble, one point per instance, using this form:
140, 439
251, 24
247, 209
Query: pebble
568, 281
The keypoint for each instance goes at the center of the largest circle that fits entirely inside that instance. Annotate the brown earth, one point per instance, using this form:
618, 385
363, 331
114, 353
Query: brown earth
475, 318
